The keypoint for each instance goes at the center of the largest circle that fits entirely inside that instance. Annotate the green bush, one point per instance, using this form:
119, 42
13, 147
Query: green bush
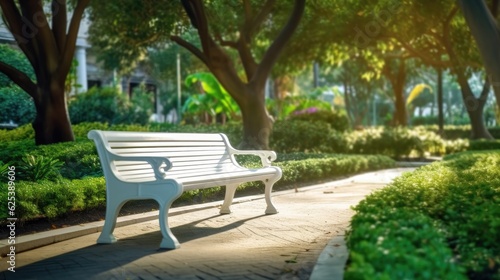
21, 133
399, 244
393, 142
107, 105
320, 167
52, 199
453, 132
336, 119
457, 198
303, 136
16, 59
477, 145
16, 106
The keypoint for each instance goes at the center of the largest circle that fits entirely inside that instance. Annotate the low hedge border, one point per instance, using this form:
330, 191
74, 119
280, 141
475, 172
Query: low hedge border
441, 221
53, 199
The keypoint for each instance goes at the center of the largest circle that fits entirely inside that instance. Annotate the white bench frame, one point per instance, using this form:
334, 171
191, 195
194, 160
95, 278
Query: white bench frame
161, 166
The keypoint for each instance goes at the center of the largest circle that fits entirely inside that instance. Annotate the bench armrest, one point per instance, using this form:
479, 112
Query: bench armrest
266, 157
154, 161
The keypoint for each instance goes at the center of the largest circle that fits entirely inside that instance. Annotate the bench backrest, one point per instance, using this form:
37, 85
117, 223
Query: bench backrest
189, 152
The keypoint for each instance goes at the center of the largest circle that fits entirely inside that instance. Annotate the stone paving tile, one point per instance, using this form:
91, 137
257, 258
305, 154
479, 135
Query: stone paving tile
245, 244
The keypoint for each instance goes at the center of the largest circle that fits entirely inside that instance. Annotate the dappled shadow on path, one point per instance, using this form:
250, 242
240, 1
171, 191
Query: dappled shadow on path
106, 261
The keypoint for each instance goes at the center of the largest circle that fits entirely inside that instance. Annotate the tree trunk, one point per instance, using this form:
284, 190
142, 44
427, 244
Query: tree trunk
257, 123
52, 124
486, 33
400, 118
474, 107
398, 81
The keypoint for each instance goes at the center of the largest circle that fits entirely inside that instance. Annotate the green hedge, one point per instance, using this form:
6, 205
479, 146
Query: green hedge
445, 217
53, 199
453, 132
292, 136
478, 145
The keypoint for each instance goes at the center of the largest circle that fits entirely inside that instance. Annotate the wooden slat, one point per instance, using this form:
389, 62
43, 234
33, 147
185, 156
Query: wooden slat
126, 144
124, 136
173, 150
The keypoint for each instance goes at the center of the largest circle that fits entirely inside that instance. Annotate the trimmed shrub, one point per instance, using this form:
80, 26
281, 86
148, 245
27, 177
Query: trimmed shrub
327, 167
396, 143
457, 199
452, 132
21, 133
303, 136
107, 105
336, 119
53, 199
477, 145
16, 106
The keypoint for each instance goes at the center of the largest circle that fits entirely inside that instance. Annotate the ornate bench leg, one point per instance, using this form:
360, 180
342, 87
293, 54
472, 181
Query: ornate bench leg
230, 190
165, 199
112, 209
169, 241
269, 188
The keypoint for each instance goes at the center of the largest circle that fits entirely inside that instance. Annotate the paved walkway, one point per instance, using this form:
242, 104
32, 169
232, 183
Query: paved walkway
305, 240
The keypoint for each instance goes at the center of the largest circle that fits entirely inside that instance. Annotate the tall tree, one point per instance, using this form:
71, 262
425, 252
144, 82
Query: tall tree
432, 32
240, 42
484, 28
248, 91
49, 49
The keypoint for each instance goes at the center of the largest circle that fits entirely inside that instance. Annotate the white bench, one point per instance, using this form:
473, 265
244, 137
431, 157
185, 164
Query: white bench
160, 166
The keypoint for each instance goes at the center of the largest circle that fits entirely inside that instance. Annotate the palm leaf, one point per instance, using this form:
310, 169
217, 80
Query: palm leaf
416, 91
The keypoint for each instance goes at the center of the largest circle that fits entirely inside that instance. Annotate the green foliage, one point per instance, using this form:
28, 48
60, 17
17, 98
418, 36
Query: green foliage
300, 168
398, 244
336, 119
213, 100
108, 105
396, 142
453, 132
304, 136
36, 168
20, 133
456, 202
53, 199
298, 104
476, 145
4, 169
16, 105
82, 129
15, 59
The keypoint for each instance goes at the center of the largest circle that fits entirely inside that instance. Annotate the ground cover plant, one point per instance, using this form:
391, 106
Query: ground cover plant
440, 222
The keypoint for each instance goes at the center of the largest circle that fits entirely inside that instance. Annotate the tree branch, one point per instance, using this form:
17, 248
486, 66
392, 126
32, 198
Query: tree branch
272, 53
485, 91
252, 24
43, 35
59, 21
15, 25
19, 78
70, 44
425, 58
200, 17
190, 47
